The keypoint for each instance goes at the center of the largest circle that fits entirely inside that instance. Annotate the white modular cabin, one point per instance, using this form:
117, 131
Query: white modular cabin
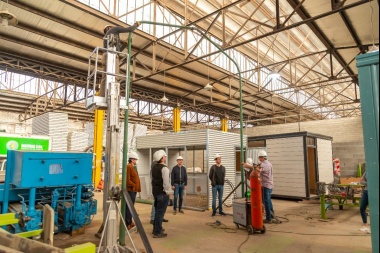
198, 149
299, 160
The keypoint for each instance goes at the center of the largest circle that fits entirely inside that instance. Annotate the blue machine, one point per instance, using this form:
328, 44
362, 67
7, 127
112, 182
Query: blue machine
61, 179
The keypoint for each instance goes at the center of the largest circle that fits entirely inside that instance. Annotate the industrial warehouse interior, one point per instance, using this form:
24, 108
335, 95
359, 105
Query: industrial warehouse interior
189, 126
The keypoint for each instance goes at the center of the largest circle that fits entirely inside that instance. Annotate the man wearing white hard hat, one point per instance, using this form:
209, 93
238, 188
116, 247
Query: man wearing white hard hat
266, 174
133, 185
160, 188
266, 177
179, 183
217, 176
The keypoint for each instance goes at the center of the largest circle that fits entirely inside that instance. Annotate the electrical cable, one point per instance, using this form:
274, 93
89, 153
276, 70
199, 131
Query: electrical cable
287, 232
219, 225
241, 244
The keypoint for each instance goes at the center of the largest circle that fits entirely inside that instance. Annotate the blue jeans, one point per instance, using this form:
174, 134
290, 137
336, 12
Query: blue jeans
363, 206
178, 190
153, 212
160, 204
217, 189
267, 203
128, 214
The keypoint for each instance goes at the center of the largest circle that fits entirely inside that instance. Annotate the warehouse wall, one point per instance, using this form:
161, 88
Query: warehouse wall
347, 133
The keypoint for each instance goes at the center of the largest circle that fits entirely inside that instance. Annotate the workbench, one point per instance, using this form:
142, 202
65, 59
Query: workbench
346, 197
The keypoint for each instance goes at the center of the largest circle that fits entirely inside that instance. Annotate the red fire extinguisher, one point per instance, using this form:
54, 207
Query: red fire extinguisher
256, 203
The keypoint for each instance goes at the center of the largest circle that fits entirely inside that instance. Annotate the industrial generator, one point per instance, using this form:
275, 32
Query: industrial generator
61, 179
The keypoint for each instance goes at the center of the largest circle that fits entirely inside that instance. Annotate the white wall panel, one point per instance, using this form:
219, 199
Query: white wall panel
188, 138
324, 150
287, 158
224, 144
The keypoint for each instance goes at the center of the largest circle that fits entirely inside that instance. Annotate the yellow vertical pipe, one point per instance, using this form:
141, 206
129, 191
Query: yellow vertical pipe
98, 146
176, 119
224, 125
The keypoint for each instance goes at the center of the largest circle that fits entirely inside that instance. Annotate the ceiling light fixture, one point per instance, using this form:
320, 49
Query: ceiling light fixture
7, 18
164, 99
208, 86
273, 75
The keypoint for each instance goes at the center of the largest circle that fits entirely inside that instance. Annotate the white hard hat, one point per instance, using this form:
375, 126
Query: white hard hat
179, 158
262, 153
133, 155
216, 156
158, 155
249, 161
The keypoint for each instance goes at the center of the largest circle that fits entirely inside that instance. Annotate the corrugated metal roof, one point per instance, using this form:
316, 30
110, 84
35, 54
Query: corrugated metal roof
63, 34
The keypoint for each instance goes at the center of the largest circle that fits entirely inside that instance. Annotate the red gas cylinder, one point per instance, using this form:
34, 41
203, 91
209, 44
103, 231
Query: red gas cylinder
256, 201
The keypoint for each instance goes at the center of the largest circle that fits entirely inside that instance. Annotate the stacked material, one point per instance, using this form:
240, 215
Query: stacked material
55, 125
77, 141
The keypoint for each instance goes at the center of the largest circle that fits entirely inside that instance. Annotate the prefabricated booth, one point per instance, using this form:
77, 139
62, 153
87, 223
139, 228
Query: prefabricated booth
198, 149
299, 160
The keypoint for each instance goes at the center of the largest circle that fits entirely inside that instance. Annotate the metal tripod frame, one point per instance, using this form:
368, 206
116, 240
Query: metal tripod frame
114, 216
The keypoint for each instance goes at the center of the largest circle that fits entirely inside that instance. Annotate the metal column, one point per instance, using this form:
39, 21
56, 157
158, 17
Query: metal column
368, 66
112, 161
176, 119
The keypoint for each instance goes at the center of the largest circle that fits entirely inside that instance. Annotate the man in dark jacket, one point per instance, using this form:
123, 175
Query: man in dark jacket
217, 175
179, 183
160, 188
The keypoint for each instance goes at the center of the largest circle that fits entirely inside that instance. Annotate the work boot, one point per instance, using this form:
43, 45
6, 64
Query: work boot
160, 235
175, 212
163, 230
213, 214
165, 220
267, 221
181, 211
223, 214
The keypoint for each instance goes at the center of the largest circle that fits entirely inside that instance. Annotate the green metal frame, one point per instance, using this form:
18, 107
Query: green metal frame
7, 219
342, 201
10, 219
125, 143
82, 248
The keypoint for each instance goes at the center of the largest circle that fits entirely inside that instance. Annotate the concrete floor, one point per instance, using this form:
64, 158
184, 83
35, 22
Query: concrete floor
301, 231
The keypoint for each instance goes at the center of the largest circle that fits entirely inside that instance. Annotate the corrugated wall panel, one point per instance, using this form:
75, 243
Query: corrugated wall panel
225, 144
190, 138
325, 165
287, 158
143, 168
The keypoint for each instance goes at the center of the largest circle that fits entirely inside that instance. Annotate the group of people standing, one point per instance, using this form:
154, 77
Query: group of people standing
164, 181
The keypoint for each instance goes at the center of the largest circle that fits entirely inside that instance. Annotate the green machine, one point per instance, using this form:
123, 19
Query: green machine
368, 68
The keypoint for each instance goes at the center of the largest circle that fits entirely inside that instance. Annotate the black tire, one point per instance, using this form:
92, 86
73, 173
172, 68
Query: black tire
263, 230
250, 229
